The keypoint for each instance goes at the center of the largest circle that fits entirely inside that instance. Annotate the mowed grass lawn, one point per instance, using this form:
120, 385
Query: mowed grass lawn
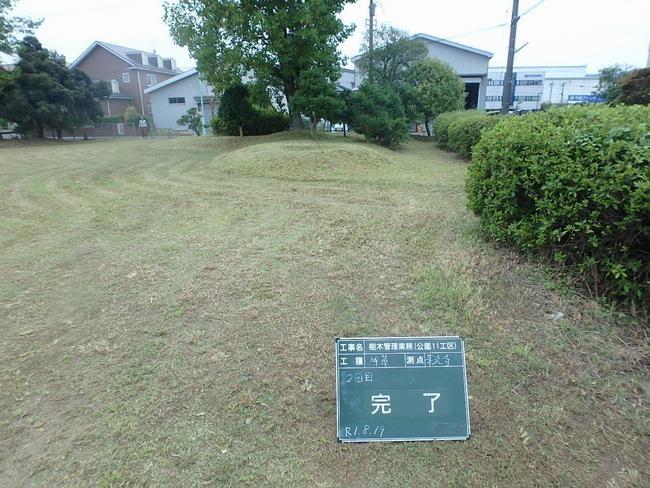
169, 309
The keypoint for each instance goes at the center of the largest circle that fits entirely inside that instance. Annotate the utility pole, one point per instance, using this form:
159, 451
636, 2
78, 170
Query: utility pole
507, 79
371, 40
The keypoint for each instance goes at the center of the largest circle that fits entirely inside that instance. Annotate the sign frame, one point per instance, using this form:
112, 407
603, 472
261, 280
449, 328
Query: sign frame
345, 440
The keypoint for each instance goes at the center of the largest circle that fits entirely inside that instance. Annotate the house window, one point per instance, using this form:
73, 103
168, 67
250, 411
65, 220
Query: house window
151, 80
180, 100
126, 77
115, 86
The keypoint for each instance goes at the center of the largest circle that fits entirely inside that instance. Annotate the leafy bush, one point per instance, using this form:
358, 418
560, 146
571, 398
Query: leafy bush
572, 184
193, 120
266, 121
378, 113
464, 132
260, 122
442, 123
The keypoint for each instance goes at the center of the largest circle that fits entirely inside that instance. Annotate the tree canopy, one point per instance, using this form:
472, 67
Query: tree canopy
43, 92
635, 88
608, 83
10, 26
394, 53
274, 40
437, 87
316, 96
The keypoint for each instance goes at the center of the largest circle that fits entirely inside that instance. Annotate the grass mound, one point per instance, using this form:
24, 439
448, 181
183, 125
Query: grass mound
303, 159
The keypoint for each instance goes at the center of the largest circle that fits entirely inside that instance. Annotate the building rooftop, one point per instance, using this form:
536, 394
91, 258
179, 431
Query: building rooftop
125, 53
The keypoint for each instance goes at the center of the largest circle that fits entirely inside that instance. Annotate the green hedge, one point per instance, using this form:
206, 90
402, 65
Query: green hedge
442, 123
572, 184
263, 121
465, 132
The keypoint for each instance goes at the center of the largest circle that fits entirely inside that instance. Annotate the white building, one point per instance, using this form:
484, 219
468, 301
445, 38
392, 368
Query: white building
348, 79
172, 98
470, 63
534, 85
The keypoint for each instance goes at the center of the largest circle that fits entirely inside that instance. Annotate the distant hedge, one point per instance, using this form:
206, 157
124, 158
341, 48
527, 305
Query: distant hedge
442, 123
460, 131
572, 184
465, 132
261, 122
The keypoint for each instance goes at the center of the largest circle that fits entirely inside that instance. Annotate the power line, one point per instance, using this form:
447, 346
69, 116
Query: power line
480, 30
532, 8
504, 24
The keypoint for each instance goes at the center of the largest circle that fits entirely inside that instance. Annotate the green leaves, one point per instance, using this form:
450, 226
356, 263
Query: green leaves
378, 113
438, 88
571, 184
43, 92
275, 41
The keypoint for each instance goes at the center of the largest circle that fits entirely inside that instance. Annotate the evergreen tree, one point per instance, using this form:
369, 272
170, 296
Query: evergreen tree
316, 96
44, 93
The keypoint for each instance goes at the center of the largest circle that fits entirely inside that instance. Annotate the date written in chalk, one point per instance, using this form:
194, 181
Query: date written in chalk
350, 431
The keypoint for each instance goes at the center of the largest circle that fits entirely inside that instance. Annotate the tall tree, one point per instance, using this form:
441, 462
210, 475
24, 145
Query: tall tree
316, 96
45, 93
394, 53
276, 40
10, 26
608, 83
437, 87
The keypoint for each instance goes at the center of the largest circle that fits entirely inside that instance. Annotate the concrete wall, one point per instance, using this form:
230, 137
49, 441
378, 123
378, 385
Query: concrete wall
166, 114
465, 63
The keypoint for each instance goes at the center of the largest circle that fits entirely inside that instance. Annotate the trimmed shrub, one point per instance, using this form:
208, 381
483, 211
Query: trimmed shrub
260, 122
465, 132
378, 113
442, 123
572, 184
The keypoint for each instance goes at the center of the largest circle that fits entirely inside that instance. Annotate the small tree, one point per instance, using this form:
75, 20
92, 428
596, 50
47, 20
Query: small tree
635, 88
608, 83
438, 89
131, 115
316, 96
193, 120
235, 107
378, 114
394, 53
344, 113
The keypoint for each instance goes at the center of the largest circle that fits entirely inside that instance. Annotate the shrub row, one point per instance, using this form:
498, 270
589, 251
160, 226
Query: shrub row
460, 131
262, 121
572, 184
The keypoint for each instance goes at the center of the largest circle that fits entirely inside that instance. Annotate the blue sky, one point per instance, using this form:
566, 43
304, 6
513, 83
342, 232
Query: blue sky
558, 32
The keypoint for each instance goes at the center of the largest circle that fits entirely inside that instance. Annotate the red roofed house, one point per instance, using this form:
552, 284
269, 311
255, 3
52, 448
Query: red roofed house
128, 72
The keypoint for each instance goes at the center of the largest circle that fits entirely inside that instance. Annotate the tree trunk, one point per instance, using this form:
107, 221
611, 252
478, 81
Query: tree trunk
314, 122
426, 124
289, 91
241, 131
345, 130
40, 131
